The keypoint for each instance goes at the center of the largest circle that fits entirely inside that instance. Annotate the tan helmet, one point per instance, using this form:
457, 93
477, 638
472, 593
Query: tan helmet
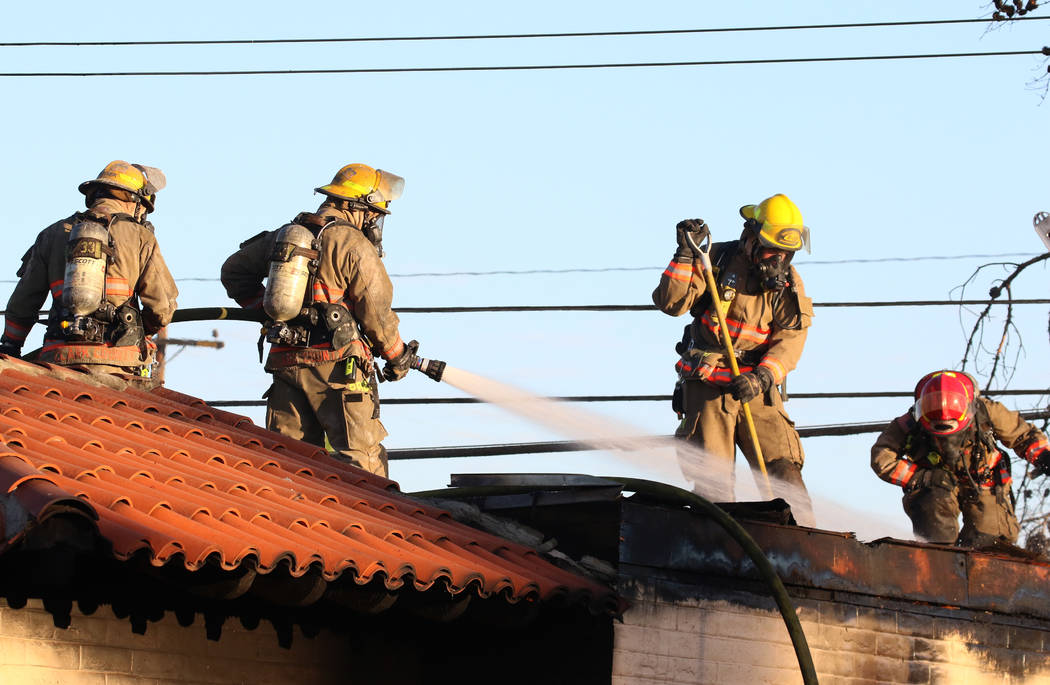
361, 183
142, 181
777, 223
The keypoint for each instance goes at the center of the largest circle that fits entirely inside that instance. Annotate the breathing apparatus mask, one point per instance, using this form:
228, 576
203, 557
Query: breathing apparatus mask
950, 447
373, 229
772, 265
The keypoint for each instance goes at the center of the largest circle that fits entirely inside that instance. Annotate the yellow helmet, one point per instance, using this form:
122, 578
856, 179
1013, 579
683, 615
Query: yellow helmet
361, 183
777, 222
140, 180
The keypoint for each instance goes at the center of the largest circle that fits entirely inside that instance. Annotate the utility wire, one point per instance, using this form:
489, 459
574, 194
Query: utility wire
641, 398
502, 36
803, 263
927, 258
234, 313
576, 446
607, 269
649, 307
577, 270
522, 67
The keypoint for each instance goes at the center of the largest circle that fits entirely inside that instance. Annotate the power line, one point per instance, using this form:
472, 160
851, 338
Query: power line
577, 446
642, 398
520, 67
645, 308
609, 269
929, 303
238, 314
927, 258
503, 36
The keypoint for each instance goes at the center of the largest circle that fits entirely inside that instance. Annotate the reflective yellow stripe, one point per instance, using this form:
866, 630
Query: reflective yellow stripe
360, 386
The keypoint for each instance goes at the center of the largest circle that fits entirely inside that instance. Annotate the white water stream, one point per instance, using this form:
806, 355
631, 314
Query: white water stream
663, 459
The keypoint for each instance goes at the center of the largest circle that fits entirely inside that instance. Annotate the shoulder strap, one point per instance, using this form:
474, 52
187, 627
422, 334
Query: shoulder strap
120, 216
725, 254
985, 431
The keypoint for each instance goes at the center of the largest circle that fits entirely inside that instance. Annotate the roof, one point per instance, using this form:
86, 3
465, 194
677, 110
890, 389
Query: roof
164, 475
651, 534
1000, 578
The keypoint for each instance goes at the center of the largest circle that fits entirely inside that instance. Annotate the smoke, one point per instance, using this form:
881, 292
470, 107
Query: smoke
663, 459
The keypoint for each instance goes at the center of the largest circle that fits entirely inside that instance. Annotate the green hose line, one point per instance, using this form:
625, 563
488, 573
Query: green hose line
194, 314
672, 494
758, 558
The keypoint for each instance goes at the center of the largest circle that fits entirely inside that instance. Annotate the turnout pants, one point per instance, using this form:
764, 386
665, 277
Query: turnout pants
311, 402
988, 515
715, 423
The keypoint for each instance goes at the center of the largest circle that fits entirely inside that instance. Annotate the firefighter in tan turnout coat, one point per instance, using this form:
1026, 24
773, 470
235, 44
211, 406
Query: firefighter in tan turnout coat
328, 298
109, 284
768, 314
946, 456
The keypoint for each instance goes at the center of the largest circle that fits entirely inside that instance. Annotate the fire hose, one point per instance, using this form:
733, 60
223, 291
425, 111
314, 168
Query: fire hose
432, 368
672, 494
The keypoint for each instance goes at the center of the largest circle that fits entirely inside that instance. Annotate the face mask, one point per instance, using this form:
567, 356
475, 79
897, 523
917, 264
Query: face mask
373, 230
772, 271
950, 446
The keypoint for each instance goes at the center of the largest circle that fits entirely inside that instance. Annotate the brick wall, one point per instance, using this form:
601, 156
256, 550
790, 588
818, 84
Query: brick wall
671, 636
102, 650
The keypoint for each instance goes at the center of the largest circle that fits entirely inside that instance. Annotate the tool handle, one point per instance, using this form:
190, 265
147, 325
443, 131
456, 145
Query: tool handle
701, 252
712, 287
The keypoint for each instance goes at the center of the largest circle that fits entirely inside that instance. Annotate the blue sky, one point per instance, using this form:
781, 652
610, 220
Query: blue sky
562, 170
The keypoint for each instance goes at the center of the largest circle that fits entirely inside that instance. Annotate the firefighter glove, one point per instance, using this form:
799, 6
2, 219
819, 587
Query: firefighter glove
748, 386
10, 349
398, 367
924, 479
695, 229
1041, 463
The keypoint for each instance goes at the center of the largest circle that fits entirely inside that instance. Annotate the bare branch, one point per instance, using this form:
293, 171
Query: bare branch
1033, 494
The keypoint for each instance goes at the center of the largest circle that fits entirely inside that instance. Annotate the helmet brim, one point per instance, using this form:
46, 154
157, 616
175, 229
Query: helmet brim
332, 192
790, 238
148, 201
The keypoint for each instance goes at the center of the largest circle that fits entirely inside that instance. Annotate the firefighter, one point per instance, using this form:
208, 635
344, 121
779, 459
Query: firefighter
110, 287
768, 314
328, 302
945, 454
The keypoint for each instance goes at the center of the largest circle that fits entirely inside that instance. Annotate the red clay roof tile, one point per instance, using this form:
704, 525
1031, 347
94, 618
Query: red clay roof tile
186, 483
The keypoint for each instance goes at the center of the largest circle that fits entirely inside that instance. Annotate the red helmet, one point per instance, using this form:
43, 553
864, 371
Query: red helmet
944, 402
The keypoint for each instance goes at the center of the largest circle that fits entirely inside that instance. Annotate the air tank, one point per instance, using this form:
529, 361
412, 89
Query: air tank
289, 273
85, 280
